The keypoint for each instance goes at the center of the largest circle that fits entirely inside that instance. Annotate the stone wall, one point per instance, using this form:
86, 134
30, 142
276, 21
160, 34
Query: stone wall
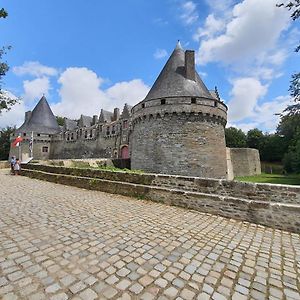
4, 164
245, 161
275, 206
97, 147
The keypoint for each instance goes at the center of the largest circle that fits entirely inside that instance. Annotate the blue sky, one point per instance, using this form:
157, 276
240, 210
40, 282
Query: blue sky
88, 55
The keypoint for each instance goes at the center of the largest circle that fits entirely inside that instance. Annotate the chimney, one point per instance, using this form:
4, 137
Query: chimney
27, 115
189, 64
95, 119
116, 114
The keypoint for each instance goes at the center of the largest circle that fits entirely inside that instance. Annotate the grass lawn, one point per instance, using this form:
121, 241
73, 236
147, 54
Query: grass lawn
293, 179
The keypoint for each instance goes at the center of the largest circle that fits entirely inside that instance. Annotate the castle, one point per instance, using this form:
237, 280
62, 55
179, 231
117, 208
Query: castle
177, 129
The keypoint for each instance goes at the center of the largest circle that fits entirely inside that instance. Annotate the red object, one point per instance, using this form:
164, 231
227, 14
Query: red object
16, 141
125, 152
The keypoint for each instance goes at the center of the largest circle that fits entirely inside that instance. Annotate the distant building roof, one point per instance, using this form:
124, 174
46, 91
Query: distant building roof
172, 81
85, 121
41, 120
70, 124
105, 116
126, 113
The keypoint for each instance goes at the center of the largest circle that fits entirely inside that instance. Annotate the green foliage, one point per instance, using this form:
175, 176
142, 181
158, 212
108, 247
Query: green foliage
6, 102
294, 7
3, 13
60, 120
5, 142
235, 138
273, 148
272, 178
255, 139
289, 129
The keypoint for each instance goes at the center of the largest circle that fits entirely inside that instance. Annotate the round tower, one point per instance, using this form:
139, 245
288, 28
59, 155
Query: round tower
179, 127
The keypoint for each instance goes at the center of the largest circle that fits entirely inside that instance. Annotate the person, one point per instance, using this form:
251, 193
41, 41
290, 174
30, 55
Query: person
12, 164
17, 167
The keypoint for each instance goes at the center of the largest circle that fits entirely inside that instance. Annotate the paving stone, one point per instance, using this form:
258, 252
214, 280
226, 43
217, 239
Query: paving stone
62, 243
88, 294
136, 288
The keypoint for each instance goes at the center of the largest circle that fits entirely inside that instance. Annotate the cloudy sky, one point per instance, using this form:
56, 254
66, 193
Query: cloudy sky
88, 55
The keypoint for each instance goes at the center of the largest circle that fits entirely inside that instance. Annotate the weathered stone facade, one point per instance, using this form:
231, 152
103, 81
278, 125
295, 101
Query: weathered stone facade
179, 138
179, 127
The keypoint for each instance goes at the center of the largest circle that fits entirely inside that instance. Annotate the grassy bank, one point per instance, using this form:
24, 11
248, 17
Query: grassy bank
293, 179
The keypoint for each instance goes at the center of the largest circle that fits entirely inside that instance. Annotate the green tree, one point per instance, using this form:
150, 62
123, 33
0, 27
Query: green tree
274, 148
6, 102
294, 7
235, 138
255, 139
5, 142
60, 120
289, 129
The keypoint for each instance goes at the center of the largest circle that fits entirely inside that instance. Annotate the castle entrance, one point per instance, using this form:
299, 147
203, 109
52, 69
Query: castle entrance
124, 152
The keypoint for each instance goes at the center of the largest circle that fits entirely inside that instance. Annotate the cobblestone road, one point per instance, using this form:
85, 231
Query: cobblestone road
59, 242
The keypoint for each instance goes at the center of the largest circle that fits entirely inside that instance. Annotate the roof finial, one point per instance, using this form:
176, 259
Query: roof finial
178, 45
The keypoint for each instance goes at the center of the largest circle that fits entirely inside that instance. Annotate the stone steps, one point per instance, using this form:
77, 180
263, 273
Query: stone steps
275, 215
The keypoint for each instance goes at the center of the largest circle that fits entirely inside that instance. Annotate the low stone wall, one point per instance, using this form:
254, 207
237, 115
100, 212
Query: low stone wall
274, 193
245, 161
276, 215
4, 164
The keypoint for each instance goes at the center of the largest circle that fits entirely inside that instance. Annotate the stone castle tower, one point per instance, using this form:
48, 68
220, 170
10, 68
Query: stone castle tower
42, 124
179, 127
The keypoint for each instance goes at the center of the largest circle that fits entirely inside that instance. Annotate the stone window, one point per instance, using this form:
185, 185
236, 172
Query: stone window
91, 133
163, 101
49, 135
72, 136
107, 130
80, 132
143, 105
216, 103
193, 100
68, 137
45, 149
85, 134
125, 124
24, 134
113, 130
38, 134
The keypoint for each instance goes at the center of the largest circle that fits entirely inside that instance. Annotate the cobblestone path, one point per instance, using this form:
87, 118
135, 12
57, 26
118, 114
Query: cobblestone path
60, 242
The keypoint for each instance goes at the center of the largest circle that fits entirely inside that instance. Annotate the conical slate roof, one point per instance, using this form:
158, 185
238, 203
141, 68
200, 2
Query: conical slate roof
41, 120
172, 81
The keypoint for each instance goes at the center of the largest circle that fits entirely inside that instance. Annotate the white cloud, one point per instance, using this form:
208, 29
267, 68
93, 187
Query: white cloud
130, 92
211, 27
34, 68
15, 116
266, 116
81, 93
245, 94
36, 88
254, 28
160, 53
189, 13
